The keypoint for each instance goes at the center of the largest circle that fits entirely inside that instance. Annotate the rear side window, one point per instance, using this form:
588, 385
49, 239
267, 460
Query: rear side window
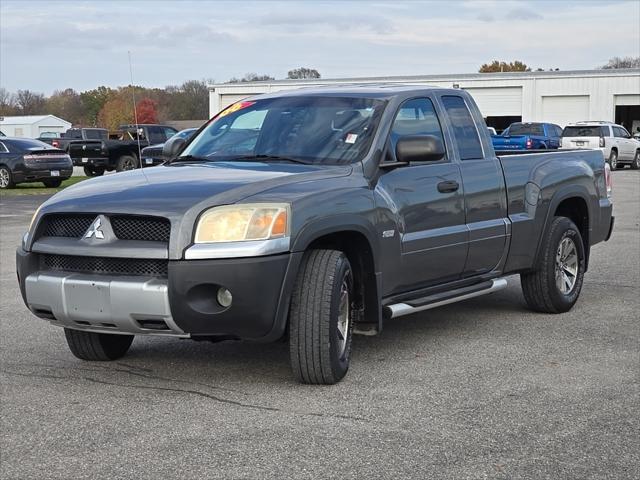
91, 134
464, 128
580, 131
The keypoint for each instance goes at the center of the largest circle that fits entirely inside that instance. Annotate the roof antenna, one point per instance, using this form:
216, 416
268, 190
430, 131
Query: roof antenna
135, 112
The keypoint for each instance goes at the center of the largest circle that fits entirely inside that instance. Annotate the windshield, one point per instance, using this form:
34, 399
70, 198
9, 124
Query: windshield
525, 129
333, 130
585, 131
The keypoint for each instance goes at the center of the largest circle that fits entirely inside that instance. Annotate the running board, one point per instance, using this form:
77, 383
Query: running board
427, 303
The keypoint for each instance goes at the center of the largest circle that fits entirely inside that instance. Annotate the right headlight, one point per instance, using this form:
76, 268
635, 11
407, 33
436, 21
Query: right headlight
243, 222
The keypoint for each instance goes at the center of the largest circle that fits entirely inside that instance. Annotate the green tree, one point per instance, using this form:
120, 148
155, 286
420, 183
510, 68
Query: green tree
498, 66
302, 73
93, 101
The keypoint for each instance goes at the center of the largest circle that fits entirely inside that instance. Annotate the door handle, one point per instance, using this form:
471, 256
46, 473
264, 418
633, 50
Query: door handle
448, 186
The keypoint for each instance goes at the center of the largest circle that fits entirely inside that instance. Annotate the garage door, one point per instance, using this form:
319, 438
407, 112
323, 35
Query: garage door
230, 98
565, 109
498, 101
628, 100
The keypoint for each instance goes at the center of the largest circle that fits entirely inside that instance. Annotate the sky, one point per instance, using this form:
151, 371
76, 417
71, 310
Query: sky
50, 45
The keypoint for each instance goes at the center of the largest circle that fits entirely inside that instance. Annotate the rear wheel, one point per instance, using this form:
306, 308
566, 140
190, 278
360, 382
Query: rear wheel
97, 346
321, 318
613, 159
126, 162
52, 182
6, 179
555, 285
90, 171
635, 165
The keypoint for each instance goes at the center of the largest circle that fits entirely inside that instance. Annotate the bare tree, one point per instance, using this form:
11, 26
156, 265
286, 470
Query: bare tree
30, 103
622, 62
303, 72
7, 102
251, 77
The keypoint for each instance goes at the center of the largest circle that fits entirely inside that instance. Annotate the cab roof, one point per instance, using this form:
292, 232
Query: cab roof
376, 91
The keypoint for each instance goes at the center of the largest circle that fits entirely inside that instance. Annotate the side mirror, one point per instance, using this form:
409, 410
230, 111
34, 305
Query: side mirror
172, 147
419, 148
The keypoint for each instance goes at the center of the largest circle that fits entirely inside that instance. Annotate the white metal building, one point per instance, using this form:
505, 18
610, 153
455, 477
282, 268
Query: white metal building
557, 97
32, 126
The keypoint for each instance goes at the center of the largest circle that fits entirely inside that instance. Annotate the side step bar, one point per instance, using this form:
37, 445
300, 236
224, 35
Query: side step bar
427, 303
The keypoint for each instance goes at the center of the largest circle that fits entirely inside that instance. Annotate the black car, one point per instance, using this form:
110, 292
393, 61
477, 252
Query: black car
152, 155
25, 160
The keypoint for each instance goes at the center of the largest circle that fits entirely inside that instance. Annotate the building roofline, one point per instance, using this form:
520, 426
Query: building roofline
441, 78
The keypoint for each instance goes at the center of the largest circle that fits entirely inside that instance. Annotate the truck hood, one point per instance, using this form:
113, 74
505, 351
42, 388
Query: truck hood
173, 190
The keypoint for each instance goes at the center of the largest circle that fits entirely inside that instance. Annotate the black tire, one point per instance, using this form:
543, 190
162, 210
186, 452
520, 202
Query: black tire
613, 159
635, 165
97, 347
93, 171
539, 287
126, 162
52, 182
317, 352
6, 178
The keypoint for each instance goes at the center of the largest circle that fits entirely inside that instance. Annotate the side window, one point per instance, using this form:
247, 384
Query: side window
464, 128
557, 131
619, 132
415, 117
156, 135
169, 132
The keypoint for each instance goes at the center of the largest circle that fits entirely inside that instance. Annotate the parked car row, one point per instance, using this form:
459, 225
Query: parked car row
615, 142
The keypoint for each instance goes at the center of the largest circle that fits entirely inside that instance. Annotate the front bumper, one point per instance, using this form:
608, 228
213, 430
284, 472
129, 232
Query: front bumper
183, 304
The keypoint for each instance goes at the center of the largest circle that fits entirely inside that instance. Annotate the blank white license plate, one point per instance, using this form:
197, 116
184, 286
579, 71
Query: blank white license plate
148, 161
55, 173
85, 159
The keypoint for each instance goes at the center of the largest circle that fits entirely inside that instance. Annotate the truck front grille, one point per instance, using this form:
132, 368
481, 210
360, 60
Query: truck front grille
125, 227
105, 265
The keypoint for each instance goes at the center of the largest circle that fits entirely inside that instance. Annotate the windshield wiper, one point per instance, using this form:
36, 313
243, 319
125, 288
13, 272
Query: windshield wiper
250, 158
191, 158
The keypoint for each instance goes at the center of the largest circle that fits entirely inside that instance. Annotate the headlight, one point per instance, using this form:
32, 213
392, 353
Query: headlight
238, 223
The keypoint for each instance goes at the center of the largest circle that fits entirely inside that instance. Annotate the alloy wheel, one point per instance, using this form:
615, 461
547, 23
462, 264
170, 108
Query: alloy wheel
567, 266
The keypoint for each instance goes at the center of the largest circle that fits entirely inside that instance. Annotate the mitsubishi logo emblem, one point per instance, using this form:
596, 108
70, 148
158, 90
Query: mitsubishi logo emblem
94, 230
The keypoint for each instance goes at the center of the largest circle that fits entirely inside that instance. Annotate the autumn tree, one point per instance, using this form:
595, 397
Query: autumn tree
30, 103
67, 104
147, 111
115, 112
93, 101
624, 62
303, 73
498, 66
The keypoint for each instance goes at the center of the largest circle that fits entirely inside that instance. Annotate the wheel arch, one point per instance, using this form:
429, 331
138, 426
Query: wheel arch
355, 240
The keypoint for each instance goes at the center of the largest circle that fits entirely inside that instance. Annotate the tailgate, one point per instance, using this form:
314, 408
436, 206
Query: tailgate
86, 149
580, 142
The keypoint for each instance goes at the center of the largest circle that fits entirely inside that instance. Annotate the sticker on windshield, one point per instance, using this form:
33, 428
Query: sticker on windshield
351, 138
234, 108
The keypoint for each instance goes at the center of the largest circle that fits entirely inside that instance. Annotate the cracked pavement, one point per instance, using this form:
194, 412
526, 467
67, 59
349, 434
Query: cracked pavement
481, 389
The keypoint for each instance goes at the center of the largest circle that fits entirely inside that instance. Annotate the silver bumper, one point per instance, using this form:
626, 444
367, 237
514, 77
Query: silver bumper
107, 304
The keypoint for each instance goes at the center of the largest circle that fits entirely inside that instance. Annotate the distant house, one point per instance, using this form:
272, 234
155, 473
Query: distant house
32, 126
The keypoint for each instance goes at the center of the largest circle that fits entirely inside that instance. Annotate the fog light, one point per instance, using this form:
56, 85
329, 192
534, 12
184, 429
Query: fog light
224, 297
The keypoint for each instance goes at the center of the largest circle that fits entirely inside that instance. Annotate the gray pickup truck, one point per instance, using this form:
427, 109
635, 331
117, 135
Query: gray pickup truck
313, 215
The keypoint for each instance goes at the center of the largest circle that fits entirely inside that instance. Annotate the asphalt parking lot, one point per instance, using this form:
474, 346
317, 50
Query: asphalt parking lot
481, 389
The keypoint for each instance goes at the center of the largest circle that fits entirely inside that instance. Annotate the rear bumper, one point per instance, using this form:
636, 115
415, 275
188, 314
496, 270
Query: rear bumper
91, 161
184, 304
36, 175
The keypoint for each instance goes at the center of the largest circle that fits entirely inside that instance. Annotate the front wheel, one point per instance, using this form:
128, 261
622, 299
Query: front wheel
98, 347
321, 318
555, 285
